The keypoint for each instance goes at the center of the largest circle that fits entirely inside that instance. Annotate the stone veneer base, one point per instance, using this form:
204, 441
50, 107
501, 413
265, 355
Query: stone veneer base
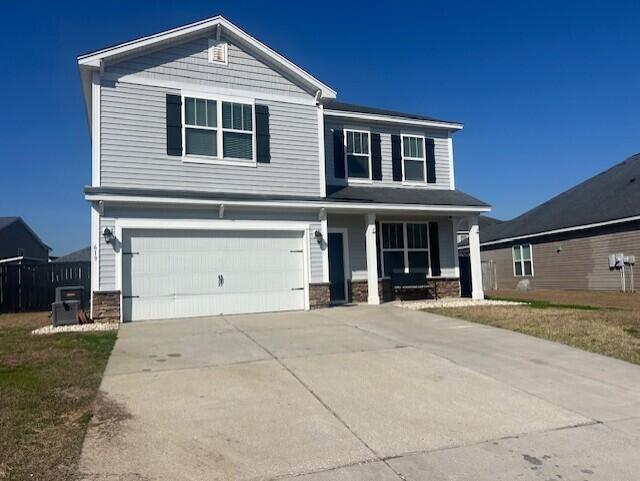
319, 295
106, 306
447, 287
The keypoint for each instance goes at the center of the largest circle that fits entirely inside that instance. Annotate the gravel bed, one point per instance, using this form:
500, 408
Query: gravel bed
97, 326
454, 302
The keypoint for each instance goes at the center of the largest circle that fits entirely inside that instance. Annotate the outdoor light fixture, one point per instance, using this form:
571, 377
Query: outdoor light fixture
318, 235
108, 235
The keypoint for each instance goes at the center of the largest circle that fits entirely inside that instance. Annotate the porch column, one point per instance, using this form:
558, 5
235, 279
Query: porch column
474, 255
372, 261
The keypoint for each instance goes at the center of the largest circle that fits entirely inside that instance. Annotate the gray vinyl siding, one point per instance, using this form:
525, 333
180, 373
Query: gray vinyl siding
107, 260
356, 229
108, 254
188, 62
569, 263
441, 145
134, 153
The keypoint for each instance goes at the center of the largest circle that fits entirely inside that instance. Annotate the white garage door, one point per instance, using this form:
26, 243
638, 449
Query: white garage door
179, 273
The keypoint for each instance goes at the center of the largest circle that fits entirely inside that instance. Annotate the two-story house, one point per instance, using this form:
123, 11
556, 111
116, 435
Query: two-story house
226, 179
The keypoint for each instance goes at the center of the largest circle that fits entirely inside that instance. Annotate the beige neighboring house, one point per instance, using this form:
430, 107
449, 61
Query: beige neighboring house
567, 242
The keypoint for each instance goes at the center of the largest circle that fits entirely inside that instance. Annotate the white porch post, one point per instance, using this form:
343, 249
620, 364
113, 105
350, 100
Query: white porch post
372, 261
474, 254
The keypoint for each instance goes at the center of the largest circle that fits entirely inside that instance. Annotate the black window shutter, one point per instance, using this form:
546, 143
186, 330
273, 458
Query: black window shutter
434, 246
376, 157
263, 142
338, 154
396, 157
431, 162
174, 125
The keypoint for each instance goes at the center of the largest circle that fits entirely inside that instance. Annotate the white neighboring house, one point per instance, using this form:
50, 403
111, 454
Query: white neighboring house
226, 179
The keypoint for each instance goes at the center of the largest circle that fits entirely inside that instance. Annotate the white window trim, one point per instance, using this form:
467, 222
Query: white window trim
522, 260
423, 159
356, 180
406, 249
219, 159
214, 43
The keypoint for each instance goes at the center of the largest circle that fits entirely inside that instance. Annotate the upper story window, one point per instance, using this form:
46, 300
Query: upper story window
218, 129
358, 148
522, 260
413, 159
405, 247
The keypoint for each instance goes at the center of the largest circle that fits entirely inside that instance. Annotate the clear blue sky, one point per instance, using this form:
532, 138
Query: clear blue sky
549, 92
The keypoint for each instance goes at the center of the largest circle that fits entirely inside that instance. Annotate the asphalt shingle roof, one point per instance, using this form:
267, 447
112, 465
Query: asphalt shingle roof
82, 255
391, 195
610, 195
345, 107
5, 221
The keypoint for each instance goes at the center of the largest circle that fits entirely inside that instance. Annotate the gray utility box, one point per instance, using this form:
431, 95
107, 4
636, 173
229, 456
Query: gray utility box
70, 293
65, 313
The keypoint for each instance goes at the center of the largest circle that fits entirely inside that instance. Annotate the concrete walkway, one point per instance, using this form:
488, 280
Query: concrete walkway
358, 393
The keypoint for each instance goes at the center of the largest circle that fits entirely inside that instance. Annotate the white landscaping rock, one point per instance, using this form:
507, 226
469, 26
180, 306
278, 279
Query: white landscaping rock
454, 302
97, 326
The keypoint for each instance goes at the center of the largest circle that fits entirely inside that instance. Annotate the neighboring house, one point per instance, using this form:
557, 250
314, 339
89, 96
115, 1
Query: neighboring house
19, 244
565, 243
81, 255
226, 179
484, 221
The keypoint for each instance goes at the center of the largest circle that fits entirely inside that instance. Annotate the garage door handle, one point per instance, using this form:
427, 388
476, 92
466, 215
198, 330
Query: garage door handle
220, 280
297, 288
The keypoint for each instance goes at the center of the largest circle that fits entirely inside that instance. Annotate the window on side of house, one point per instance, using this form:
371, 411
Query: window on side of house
413, 159
522, 260
218, 129
404, 247
358, 154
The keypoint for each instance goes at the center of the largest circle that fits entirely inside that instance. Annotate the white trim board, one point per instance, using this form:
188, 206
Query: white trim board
560, 231
309, 205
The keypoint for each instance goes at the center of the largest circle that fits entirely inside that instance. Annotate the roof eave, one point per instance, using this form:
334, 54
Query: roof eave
94, 59
454, 126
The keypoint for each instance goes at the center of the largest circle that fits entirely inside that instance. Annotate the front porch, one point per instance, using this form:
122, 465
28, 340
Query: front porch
363, 251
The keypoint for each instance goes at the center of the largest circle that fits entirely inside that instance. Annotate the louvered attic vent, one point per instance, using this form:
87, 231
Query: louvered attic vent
217, 51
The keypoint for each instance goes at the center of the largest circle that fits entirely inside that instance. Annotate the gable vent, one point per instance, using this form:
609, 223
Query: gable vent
218, 51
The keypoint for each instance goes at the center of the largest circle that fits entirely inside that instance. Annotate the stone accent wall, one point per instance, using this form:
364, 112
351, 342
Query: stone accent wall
106, 306
448, 287
319, 295
359, 290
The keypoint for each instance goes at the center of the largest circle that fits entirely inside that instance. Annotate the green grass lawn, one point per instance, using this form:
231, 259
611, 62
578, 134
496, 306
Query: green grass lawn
610, 331
47, 388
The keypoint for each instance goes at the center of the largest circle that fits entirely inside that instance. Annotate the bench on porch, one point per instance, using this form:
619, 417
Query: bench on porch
401, 281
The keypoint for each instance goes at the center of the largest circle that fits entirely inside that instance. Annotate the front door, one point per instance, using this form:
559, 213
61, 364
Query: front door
336, 267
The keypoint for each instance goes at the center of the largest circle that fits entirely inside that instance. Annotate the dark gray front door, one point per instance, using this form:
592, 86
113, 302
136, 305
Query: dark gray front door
336, 267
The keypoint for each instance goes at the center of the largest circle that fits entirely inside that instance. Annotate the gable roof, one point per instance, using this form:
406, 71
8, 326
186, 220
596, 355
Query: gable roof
611, 196
93, 61
81, 255
7, 221
333, 107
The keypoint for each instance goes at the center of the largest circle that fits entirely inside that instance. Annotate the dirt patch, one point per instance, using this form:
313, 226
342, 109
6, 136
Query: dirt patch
108, 416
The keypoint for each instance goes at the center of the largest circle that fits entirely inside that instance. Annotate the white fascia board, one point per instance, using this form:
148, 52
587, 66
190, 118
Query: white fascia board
561, 231
94, 59
394, 119
294, 205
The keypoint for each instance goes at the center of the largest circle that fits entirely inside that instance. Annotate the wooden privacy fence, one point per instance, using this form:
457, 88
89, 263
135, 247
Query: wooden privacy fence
25, 288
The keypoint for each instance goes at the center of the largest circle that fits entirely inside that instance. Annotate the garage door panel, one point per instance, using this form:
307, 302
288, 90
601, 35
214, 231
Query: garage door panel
175, 273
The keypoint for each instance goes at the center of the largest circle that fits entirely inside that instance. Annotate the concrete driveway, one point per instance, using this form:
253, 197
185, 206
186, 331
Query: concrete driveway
358, 393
